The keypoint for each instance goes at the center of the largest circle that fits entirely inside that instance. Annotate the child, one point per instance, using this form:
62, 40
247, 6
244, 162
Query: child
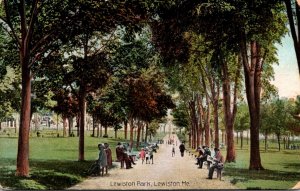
147, 157
142, 155
173, 150
151, 155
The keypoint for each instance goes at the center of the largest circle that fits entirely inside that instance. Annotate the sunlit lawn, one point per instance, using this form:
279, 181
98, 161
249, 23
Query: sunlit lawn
54, 165
282, 169
53, 161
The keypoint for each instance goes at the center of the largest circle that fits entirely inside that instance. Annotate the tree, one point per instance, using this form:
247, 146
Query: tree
180, 116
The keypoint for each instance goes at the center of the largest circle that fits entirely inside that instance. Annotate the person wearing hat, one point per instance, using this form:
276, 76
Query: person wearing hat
120, 154
203, 157
102, 160
219, 160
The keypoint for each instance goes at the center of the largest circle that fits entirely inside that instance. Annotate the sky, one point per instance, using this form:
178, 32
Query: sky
287, 77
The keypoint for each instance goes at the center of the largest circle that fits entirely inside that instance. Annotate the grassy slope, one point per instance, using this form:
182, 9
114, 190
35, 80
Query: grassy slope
53, 162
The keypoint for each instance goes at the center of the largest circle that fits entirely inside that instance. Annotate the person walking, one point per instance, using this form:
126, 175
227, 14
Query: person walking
182, 149
151, 155
173, 150
102, 160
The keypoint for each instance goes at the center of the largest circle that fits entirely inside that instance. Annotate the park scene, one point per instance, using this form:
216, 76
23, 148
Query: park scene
149, 94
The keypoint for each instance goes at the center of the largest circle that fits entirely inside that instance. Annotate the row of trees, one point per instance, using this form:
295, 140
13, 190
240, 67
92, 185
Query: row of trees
75, 48
222, 44
83, 54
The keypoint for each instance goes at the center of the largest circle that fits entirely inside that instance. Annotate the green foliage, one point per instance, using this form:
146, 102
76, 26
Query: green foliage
242, 121
181, 118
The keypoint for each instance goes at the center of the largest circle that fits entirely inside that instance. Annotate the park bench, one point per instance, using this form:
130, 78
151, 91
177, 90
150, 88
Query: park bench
219, 170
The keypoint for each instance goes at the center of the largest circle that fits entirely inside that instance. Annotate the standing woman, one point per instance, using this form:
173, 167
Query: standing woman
108, 154
102, 161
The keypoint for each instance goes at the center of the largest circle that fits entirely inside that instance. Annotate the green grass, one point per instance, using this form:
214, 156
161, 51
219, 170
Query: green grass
282, 170
53, 160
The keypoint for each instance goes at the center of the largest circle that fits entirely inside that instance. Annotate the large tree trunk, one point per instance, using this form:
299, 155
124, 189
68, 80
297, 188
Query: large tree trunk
278, 140
65, 123
206, 125
138, 134
146, 133
70, 125
216, 124
229, 112
82, 108
266, 140
131, 131
200, 120
253, 89
125, 129
23, 140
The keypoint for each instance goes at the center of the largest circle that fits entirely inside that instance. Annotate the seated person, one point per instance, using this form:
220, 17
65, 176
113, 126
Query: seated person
200, 153
120, 154
219, 163
202, 158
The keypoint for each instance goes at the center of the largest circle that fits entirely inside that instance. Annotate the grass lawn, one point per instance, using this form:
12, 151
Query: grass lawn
53, 160
282, 169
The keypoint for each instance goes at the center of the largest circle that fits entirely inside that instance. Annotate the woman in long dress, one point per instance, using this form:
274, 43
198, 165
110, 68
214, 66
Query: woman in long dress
102, 160
109, 155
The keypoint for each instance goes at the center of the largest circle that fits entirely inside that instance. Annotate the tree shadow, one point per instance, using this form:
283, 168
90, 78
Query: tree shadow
244, 175
50, 174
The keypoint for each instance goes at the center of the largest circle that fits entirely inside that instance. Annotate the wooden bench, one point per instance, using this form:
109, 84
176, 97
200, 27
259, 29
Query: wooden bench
219, 170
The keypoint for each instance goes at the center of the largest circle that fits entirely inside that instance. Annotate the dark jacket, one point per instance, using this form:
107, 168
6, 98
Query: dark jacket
182, 148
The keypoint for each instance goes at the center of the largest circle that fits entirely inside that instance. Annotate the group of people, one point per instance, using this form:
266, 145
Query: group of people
105, 158
181, 149
146, 154
217, 161
124, 156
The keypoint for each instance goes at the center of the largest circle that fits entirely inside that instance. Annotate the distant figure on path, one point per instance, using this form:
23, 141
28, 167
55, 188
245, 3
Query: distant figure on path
173, 150
102, 160
219, 162
143, 155
182, 149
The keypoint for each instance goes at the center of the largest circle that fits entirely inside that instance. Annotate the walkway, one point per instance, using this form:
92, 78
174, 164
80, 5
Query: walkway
167, 172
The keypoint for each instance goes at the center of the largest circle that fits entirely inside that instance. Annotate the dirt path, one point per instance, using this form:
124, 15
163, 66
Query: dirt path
167, 172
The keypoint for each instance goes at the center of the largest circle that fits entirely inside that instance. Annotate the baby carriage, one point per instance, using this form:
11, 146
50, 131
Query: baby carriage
94, 169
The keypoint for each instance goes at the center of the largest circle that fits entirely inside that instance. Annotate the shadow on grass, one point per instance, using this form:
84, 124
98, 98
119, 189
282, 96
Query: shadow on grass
244, 175
44, 174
